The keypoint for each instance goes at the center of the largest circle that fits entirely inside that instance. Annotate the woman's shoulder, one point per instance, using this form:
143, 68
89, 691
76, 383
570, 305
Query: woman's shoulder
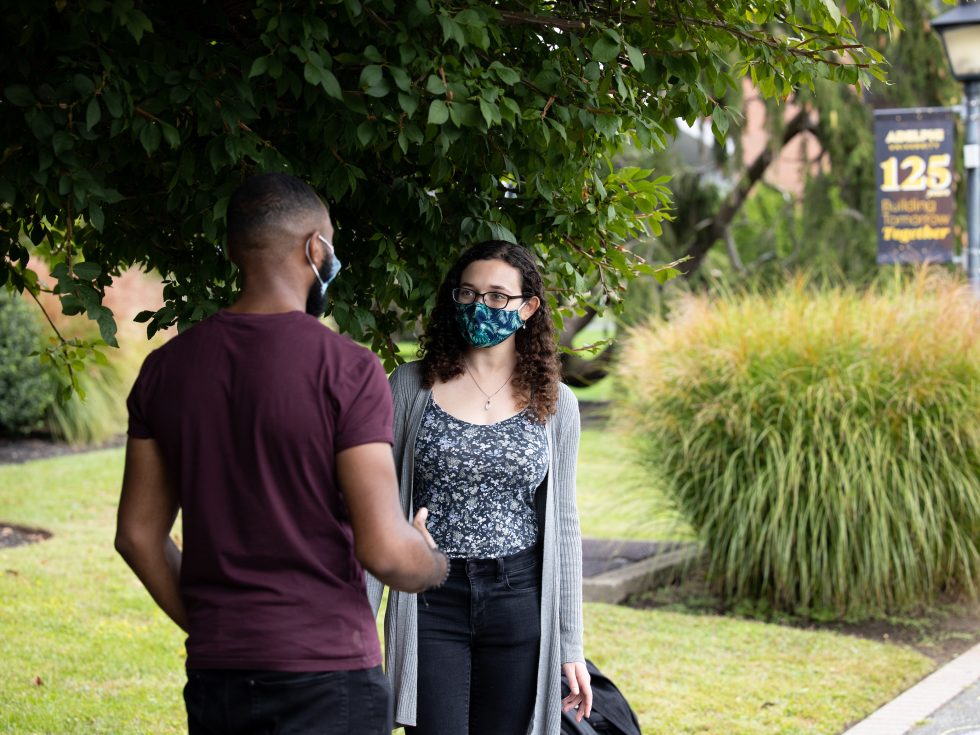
566, 410
406, 378
567, 400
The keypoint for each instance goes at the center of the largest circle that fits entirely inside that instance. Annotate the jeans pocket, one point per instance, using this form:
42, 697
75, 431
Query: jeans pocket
275, 680
525, 579
198, 699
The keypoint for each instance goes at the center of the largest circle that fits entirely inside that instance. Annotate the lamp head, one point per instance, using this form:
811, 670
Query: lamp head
960, 31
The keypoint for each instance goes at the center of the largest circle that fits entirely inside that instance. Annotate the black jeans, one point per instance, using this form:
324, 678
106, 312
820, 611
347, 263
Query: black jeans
230, 702
478, 648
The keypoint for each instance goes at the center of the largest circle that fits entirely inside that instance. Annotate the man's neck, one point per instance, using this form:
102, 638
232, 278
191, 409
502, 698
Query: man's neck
268, 296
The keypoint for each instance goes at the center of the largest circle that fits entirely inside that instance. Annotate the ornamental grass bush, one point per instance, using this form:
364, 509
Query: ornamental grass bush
824, 444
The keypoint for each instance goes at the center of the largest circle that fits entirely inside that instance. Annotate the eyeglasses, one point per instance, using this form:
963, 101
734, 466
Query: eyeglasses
493, 299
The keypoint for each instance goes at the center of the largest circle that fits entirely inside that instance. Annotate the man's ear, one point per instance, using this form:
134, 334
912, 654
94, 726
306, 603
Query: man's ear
315, 247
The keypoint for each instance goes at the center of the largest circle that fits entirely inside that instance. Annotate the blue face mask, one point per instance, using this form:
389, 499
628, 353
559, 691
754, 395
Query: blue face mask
334, 265
482, 326
316, 299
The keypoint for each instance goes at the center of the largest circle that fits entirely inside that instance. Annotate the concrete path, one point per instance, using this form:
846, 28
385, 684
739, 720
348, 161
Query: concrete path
947, 702
613, 569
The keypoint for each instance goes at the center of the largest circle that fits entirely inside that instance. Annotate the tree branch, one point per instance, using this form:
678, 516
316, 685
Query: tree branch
709, 235
514, 18
581, 373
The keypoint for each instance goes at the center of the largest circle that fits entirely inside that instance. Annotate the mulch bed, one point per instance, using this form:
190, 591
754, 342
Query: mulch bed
11, 535
941, 632
18, 451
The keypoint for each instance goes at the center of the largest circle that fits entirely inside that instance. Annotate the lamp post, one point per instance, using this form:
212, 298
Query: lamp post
960, 31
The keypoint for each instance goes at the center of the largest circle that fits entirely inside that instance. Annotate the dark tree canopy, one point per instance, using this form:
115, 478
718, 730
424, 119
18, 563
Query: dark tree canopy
426, 125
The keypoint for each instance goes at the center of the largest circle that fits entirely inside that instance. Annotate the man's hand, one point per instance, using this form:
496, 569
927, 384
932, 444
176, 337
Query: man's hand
147, 510
579, 682
400, 554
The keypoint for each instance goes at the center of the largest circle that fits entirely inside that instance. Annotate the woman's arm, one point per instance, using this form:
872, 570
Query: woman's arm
400, 392
567, 431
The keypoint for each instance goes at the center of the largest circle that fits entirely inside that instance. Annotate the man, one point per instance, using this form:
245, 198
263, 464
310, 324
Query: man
272, 435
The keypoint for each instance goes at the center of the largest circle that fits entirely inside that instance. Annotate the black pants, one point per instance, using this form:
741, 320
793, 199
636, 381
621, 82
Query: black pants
278, 703
478, 648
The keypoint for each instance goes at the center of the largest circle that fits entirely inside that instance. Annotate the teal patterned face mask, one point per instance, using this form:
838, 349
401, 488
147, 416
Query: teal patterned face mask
482, 326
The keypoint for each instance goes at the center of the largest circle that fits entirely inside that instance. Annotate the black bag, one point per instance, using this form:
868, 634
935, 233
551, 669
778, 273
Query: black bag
611, 713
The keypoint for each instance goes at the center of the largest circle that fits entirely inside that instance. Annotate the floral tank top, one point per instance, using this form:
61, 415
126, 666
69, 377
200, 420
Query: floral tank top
479, 482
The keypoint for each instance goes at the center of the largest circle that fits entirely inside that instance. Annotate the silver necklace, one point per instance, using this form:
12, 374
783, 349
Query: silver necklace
488, 396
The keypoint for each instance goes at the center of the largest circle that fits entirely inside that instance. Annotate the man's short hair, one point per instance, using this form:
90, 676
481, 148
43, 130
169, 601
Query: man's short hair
265, 203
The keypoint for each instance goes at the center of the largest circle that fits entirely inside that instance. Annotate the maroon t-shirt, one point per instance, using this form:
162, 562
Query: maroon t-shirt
250, 411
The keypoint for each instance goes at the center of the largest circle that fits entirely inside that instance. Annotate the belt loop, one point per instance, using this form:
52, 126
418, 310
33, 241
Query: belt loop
501, 569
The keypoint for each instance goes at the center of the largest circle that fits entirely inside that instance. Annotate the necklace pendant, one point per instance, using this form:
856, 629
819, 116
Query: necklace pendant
486, 406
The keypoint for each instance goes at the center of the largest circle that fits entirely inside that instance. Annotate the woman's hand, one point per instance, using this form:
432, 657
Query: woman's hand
419, 522
580, 697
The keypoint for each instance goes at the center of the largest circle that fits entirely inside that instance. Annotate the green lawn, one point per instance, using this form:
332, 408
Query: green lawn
86, 652
617, 499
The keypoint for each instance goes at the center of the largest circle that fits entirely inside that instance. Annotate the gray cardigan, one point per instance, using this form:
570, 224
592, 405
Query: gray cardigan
561, 578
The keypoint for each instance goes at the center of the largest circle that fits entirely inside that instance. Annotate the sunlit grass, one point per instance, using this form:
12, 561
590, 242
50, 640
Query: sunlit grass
85, 650
618, 499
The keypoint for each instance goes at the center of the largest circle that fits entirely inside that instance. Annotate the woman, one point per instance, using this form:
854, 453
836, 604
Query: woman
486, 438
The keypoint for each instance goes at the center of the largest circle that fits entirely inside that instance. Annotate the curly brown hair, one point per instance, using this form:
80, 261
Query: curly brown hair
538, 369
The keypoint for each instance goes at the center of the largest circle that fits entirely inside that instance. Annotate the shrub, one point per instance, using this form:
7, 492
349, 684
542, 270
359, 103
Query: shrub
100, 414
825, 445
26, 386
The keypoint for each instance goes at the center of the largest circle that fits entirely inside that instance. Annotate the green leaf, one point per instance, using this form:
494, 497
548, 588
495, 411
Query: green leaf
107, 327
61, 142
464, 114
435, 85
380, 89
605, 49
635, 57
719, 124
83, 85
365, 133
87, 270
408, 102
490, 112
330, 84
607, 125
833, 9
96, 217
150, 137
259, 66
371, 75
113, 102
311, 73
402, 80
438, 112
452, 31
506, 74
171, 135
20, 95
93, 113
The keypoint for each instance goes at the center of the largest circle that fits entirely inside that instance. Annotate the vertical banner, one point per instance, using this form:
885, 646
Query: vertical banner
916, 207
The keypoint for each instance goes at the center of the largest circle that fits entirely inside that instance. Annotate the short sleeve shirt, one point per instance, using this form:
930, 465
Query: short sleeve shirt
250, 411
